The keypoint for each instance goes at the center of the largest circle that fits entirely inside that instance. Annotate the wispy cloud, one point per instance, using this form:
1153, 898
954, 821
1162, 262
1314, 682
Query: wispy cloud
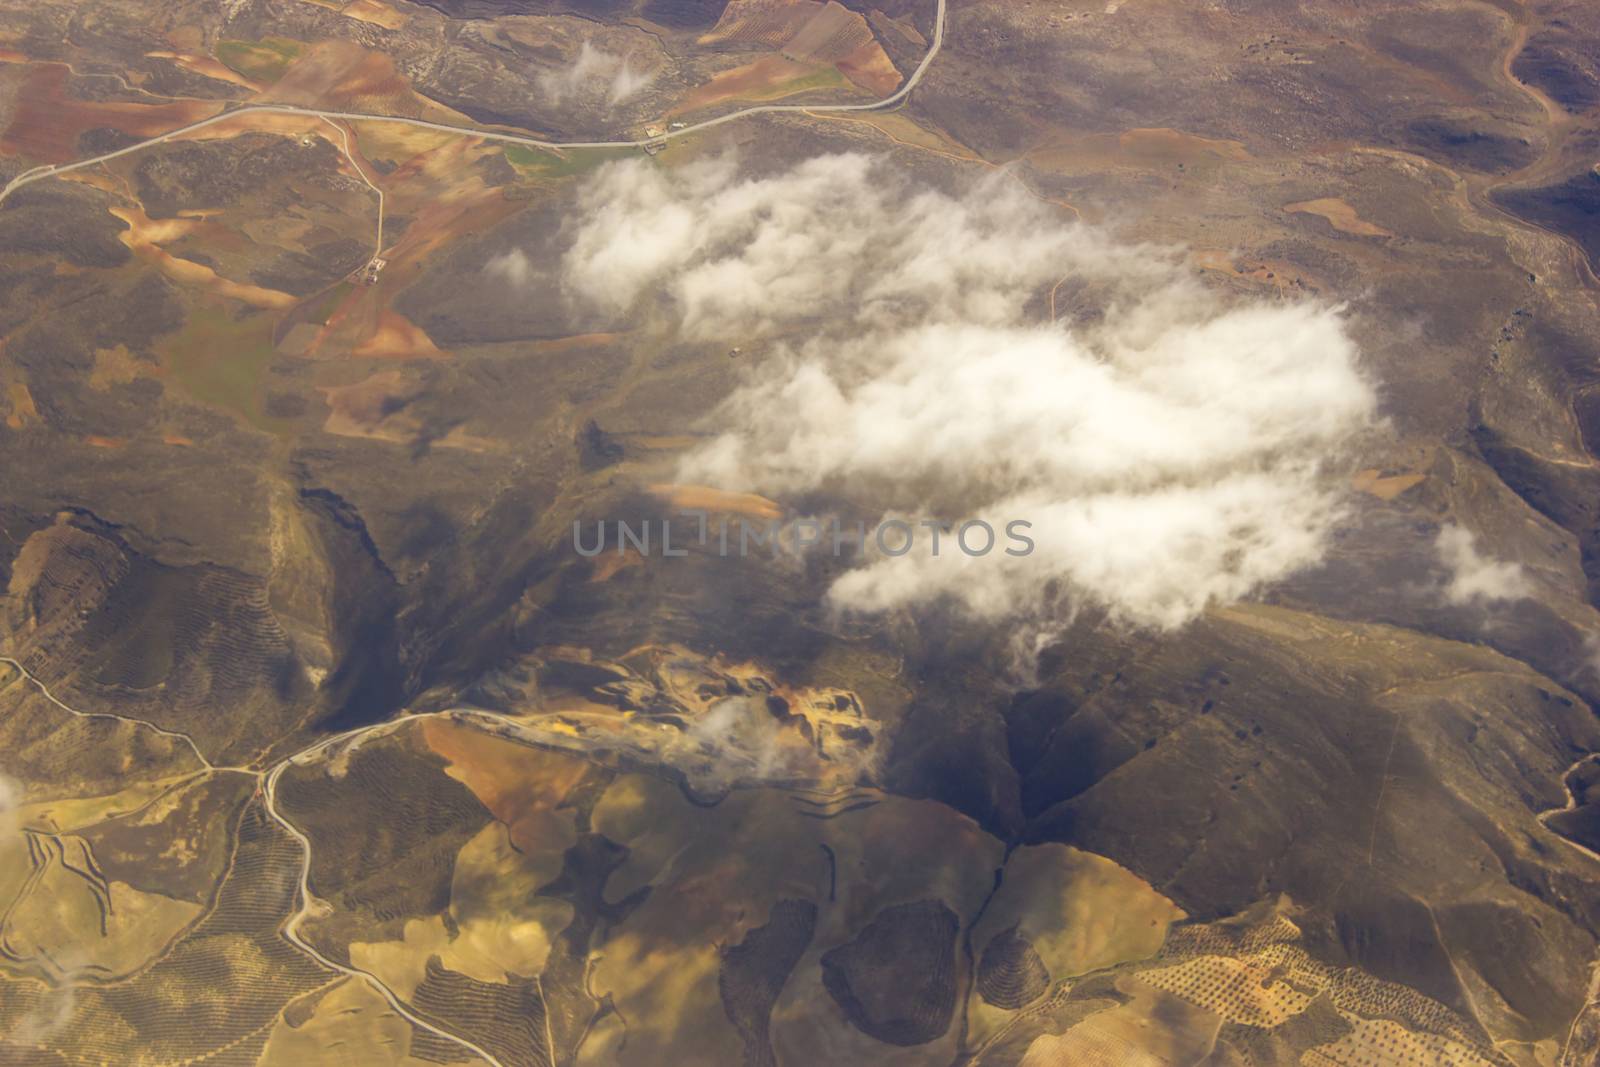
1474, 578
743, 725
514, 267
10, 800
46, 1019
596, 77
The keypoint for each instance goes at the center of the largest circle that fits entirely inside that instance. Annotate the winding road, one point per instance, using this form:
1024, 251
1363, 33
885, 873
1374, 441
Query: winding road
269, 778
349, 153
174, 734
55, 170
291, 928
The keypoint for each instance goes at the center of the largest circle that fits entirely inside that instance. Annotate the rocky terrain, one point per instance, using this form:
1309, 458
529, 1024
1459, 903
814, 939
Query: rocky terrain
320, 743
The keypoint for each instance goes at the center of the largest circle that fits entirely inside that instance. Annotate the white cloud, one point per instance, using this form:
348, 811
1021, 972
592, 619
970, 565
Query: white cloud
1476, 579
1170, 453
10, 800
743, 725
627, 81
1591, 653
595, 76
514, 267
837, 239
46, 1018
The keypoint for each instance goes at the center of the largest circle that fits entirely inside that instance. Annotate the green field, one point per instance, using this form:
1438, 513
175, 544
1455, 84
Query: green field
265, 60
826, 78
221, 361
540, 163
329, 303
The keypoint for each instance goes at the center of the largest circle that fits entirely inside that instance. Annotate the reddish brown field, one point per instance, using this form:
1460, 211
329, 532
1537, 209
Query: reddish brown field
362, 409
208, 67
47, 122
518, 784
716, 501
375, 13
802, 31
763, 24
445, 197
342, 75
23, 411
763, 78
394, 336
144, 237
868, 66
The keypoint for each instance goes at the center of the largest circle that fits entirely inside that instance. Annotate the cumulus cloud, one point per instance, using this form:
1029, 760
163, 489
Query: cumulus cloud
595, 76
1474, 578
1169, 449
840, 241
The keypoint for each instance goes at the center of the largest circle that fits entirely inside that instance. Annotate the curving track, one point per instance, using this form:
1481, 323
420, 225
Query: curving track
269, 778
55, 170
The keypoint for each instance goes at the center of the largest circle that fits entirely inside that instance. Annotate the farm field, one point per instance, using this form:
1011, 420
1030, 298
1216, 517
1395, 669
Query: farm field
488, 505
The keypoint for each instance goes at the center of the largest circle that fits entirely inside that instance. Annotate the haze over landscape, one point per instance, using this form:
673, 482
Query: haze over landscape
331, 331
